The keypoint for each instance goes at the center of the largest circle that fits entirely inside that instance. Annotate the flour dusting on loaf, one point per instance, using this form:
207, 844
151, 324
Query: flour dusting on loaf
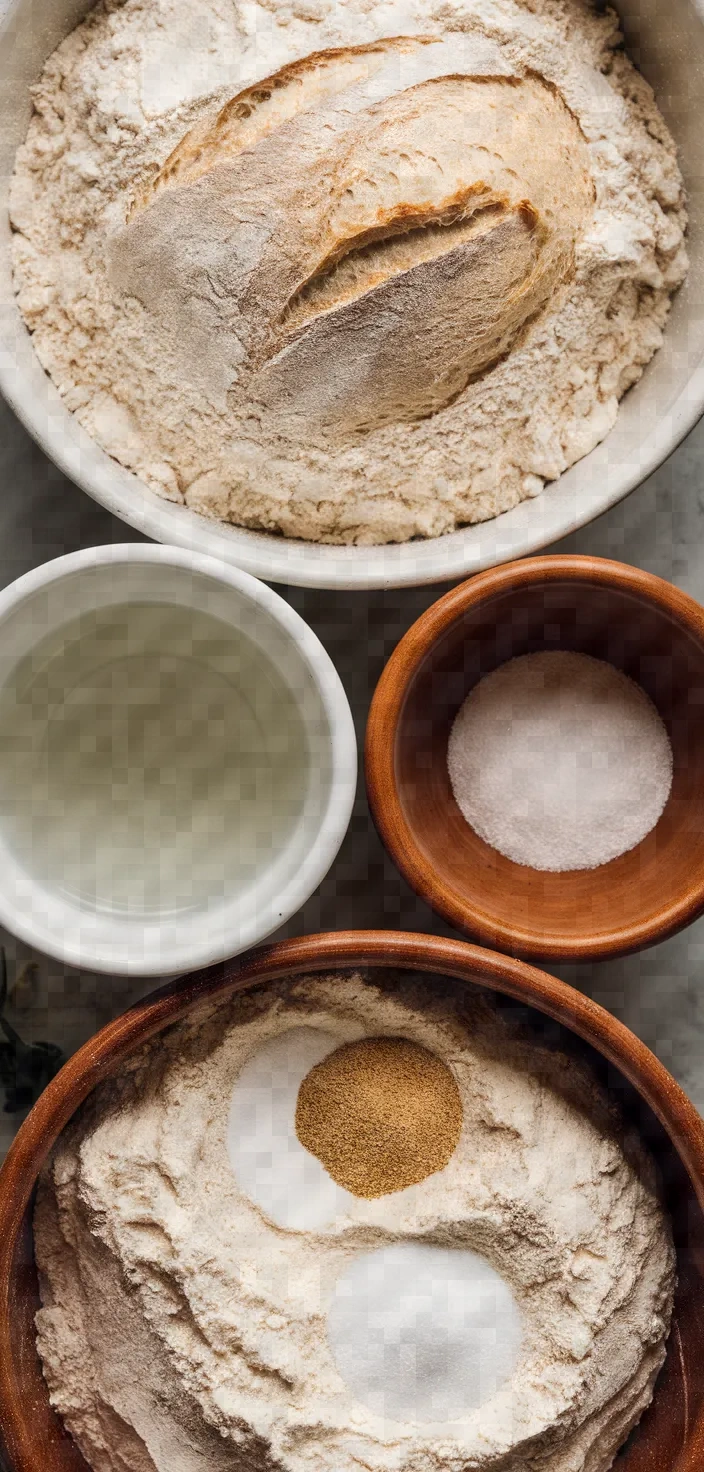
385, 286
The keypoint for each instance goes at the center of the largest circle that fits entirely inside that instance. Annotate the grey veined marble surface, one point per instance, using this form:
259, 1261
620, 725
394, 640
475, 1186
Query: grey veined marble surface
660, 527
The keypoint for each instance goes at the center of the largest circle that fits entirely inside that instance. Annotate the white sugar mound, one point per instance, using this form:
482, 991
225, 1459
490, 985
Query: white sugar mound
424, 1332
560, 761
270, 1163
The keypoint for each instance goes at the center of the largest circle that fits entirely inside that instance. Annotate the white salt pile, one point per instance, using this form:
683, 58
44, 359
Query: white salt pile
270, 1163
559, 761
425, 1332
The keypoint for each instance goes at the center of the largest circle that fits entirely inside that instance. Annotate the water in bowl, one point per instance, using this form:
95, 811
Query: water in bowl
152, 760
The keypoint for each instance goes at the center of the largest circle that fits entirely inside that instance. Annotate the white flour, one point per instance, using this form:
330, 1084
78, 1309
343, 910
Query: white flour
560, 761
117, 97
186, 1329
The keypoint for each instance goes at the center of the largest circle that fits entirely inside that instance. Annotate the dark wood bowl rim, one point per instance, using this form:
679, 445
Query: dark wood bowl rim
314, 953
379, 757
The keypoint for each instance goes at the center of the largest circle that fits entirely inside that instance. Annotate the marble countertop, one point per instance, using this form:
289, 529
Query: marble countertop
659, 527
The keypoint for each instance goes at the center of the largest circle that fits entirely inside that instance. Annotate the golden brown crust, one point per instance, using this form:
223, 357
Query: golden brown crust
207, 144
380, 226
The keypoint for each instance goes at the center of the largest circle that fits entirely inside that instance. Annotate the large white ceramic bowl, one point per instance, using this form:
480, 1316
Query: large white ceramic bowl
227, 911
666, 39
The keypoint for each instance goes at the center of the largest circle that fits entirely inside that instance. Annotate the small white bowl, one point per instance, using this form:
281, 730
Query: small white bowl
667, 42
52, 910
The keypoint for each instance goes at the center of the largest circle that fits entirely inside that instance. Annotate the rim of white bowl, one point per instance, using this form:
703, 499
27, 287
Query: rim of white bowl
528, 528
343, 782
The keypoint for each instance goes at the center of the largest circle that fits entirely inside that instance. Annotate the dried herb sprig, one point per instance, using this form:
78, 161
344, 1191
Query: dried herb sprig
25, 1068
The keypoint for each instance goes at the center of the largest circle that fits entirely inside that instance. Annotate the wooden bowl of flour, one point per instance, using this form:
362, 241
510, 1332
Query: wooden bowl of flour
640, 624
669, 1438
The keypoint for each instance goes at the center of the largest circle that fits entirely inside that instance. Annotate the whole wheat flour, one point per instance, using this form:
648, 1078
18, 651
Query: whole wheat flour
362, 302
188, 1324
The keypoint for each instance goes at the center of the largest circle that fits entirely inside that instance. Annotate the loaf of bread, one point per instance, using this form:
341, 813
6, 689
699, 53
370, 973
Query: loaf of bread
353, 241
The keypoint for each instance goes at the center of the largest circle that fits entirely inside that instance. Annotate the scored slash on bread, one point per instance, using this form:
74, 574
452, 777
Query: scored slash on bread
403, 346
367, 232
426, 232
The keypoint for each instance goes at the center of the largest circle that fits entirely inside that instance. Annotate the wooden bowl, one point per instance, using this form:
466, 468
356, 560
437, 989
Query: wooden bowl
670, 1438
639, 623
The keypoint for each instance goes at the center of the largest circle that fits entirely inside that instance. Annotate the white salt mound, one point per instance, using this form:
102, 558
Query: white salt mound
423, 1332
559, 761
271, 1165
